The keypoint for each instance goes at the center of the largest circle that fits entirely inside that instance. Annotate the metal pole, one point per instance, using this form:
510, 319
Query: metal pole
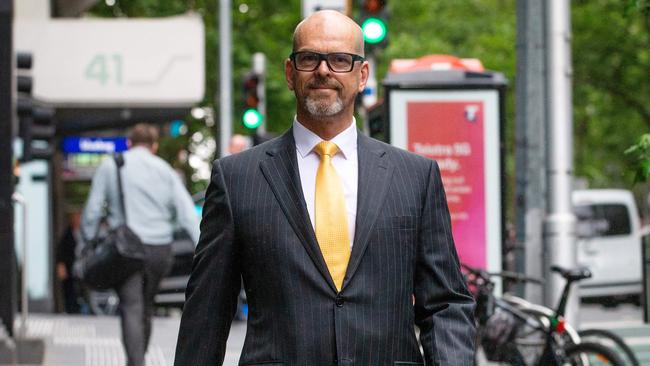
259, 68
559, 225
24, 305
225, 75
7, 256
530, 150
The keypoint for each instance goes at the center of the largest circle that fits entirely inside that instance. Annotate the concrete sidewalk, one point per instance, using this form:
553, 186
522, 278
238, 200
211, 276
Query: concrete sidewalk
96, 341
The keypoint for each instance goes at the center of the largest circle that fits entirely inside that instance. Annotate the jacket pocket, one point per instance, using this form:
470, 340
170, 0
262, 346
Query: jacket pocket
396, 223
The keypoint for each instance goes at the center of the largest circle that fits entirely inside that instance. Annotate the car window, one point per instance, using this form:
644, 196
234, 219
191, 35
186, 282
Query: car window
605, 219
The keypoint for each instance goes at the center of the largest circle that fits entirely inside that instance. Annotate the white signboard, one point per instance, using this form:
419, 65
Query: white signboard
116, 62
310, 6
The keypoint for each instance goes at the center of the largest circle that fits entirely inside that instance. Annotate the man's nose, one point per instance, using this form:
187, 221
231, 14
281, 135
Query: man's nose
322, 68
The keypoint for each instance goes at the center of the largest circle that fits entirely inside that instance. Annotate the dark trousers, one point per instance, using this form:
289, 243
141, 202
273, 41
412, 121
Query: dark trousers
71, 294
137, 301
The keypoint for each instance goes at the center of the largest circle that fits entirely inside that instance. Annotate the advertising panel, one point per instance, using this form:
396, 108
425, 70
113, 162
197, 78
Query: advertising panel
460, 130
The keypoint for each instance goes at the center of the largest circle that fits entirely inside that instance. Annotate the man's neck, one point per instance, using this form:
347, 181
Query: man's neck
325, 127
148, 148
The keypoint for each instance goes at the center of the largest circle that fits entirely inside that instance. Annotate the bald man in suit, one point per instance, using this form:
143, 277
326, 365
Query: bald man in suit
343, 242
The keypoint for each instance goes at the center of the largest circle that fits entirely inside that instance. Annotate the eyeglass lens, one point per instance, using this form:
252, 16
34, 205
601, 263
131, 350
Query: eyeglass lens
338, 62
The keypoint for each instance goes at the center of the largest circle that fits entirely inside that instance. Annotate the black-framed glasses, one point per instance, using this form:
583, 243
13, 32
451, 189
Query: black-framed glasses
336, 61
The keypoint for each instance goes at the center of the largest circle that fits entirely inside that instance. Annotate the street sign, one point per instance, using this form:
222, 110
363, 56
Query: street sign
311, 6
94, 145
110, 62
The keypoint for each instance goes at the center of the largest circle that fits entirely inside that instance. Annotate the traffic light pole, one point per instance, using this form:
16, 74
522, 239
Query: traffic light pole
225, 76
7, 264
259, 68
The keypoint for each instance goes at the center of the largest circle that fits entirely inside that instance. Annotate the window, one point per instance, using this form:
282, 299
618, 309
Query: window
605, 219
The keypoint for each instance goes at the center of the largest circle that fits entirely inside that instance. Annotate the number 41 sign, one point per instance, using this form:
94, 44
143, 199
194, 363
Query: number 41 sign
104, 62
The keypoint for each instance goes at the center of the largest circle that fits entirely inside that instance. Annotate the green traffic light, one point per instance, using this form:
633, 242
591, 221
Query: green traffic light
374, 30
252, 118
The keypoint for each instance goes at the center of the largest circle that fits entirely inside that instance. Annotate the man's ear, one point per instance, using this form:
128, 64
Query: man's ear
365, 71
288, 73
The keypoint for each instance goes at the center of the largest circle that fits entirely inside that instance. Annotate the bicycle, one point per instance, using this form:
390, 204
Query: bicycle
609, 339
504, 331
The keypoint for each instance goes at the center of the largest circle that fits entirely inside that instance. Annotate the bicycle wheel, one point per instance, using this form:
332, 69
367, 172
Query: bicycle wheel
591, 354
611, 340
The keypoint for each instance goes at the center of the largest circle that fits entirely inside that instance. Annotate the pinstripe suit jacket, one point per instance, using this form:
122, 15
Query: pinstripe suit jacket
255, 224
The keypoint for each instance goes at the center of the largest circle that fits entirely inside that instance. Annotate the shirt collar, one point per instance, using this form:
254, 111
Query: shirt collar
306, 140
140, 149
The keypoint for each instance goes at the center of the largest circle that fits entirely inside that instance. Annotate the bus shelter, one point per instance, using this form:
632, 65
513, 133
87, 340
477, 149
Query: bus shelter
452, 111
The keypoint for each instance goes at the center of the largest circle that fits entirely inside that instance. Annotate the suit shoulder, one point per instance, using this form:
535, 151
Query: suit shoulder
401, 156
250, 156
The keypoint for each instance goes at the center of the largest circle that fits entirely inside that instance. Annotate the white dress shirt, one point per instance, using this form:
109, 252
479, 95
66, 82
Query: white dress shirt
346, 164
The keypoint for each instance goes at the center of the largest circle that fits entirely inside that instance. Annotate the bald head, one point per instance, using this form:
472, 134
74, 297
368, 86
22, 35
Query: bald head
331, 23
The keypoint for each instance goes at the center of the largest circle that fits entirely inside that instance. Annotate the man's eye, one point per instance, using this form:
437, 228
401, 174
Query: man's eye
308, 58
341, 59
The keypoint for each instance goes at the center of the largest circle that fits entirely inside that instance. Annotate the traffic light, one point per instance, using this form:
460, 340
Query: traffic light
374, 23
35, 122
252, 118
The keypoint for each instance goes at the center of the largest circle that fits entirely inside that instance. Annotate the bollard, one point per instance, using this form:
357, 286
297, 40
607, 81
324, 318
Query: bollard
24, 308
28, 351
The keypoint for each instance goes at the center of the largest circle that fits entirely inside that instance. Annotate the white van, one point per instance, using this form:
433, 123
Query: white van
609, 243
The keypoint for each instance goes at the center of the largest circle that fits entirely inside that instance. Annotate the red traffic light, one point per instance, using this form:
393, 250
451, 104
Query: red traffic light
251, 98
373, 6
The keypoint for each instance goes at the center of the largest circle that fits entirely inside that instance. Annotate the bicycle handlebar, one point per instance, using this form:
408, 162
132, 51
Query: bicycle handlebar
517, 277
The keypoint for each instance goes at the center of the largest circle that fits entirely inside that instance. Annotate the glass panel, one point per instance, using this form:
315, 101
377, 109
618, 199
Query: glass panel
605, 219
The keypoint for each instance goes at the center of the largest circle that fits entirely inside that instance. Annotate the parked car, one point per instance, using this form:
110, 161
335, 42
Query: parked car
609, 244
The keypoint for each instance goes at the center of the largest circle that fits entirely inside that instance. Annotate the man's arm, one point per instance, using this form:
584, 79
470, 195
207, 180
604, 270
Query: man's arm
443, 306
184, 208
94, 209
211, 296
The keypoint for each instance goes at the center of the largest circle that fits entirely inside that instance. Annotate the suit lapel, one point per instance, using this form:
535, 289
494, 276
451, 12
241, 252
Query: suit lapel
281, 171
375, 172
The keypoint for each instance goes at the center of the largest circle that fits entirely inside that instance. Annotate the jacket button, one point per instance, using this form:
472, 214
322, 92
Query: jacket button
339, 301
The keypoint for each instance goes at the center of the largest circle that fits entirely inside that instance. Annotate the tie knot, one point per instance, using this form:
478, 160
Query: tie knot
326, 148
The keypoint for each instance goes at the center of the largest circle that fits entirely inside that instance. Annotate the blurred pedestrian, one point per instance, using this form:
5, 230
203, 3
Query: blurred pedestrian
156, 202
333, 233
238, 143
65, 256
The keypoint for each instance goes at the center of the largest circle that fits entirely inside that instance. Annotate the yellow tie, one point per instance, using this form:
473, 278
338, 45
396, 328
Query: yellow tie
330, 214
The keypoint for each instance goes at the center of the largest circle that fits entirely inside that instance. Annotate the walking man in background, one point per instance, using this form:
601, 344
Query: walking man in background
65, 256
344, 243
156, 202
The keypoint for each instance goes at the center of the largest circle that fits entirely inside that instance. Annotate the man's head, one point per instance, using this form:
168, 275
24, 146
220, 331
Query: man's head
238, 143
325, 87
144, 135
74, 219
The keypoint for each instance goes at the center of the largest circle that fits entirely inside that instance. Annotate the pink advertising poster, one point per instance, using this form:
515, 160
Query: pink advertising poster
460, 129
452, 134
